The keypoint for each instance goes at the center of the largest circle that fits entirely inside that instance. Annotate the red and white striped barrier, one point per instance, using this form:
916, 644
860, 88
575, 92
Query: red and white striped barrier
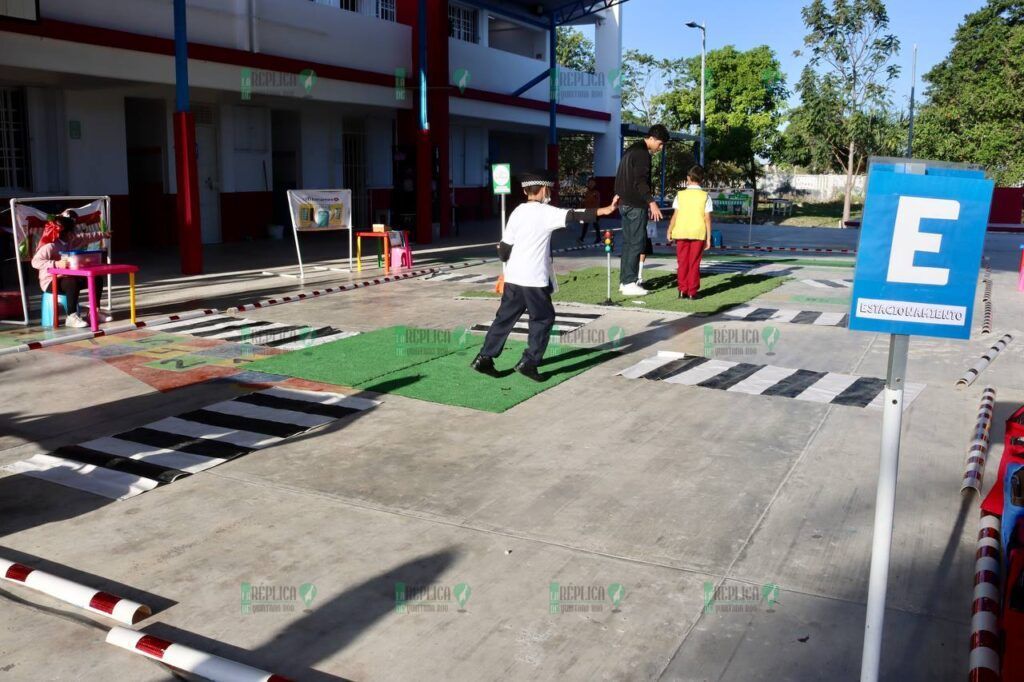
88, 598
750, 247
109, 331
977, 451
984, 657
970, 375
986, 299
190, 660
302, 296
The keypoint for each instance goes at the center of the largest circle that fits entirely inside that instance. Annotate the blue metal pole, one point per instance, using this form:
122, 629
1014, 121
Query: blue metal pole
180, 56
424, 121
553, 96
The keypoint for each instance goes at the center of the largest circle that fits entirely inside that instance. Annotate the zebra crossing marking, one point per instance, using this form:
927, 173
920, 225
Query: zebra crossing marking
256, 332
831, 388
164, 451
811, 317
565, 323
710, 267
464, 278
829, 283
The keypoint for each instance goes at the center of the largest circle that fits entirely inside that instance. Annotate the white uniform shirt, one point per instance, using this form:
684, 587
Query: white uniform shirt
529, 231
709, 206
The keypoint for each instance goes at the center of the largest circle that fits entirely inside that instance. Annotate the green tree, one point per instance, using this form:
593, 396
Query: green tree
745, 95
850, 42
574, 50
816, 136
974, 109
575, 151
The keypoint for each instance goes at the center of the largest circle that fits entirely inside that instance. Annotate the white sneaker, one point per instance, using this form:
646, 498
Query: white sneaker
633, 290
74, 320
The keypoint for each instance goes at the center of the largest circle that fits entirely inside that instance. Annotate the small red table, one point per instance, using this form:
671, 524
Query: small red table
91, 272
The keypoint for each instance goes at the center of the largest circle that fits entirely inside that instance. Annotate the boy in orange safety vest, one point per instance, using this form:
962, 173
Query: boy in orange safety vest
691, 230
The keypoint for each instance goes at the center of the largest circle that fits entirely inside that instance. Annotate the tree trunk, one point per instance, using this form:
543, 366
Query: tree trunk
849, 186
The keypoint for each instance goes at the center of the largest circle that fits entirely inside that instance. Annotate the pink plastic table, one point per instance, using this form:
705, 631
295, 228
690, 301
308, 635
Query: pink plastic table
91, 272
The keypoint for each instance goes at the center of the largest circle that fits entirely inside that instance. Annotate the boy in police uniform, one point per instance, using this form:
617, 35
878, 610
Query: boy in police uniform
691, 230
529, 273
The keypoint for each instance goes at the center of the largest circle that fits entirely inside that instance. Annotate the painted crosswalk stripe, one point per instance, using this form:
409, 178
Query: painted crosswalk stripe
285, 336
723, 381
175, 459
829, 283
794, 384
812, 317
647, 365
700, 372
156, 472
861, 392
173, 448
261, 412
468, 278
565, 323
768, 380
761, 381
93, 479
674, 367
190, 444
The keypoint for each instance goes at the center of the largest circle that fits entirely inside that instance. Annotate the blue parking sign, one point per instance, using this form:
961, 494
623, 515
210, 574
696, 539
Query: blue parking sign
920, 248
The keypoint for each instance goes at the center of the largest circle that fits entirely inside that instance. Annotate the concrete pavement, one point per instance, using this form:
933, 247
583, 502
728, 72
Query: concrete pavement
675, 494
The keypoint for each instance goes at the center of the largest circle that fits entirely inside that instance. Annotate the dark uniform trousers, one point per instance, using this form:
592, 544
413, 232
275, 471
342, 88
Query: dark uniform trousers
515, 300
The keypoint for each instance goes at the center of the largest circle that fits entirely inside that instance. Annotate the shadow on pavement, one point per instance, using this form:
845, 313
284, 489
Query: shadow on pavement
325, 629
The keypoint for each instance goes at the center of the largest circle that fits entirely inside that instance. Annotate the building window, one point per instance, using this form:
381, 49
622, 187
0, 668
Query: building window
350, 5
462, 23
386, 10
14, 169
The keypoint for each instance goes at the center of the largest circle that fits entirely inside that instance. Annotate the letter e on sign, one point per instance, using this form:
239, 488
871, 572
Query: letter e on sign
907, 240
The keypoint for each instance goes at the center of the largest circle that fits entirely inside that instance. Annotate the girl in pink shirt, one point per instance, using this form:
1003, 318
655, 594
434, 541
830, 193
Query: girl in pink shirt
59, 235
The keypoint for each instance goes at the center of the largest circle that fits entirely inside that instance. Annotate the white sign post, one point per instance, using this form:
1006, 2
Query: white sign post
917, 268
501, 184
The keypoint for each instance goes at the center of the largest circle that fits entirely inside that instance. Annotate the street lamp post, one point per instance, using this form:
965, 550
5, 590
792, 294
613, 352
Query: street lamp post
703, 70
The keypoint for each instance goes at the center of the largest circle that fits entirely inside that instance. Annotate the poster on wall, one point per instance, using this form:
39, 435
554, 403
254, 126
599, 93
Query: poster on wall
320, 210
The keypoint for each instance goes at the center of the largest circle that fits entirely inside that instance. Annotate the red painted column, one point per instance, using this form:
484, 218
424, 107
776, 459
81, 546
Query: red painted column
189, 232
424, 191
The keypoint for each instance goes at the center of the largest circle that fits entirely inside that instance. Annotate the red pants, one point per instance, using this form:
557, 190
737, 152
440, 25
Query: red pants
688, 253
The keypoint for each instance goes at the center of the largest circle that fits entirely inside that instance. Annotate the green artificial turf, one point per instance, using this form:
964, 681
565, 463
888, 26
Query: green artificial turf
365, 357
717, 292
429, 365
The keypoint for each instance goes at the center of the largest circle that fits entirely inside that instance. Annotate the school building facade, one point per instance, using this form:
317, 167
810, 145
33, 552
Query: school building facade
297, 94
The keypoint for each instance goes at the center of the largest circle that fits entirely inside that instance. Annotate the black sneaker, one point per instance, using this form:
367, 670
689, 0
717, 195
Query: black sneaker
529, 371
484, 365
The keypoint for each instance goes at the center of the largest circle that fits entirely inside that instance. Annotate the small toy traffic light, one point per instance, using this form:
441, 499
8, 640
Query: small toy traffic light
608, 243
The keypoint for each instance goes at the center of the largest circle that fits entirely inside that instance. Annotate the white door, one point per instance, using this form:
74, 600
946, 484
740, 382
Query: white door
208, 170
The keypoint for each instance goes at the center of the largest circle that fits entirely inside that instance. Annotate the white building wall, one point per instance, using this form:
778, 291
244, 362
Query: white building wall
379, 140
608, 48
502, 72
47, 131
250, 149
315, 146
291, 28
98, 162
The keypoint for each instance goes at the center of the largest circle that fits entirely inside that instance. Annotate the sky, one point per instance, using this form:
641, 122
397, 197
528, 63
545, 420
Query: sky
657, 27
